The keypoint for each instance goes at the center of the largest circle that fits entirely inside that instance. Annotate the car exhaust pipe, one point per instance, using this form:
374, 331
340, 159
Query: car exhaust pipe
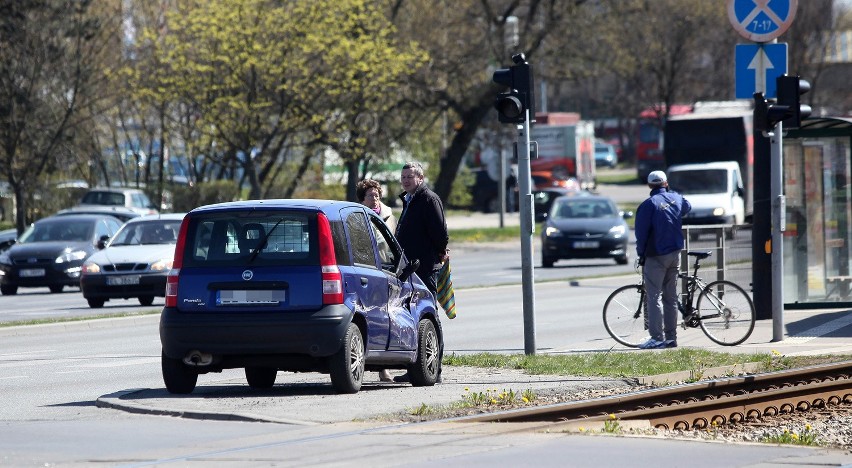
196, 358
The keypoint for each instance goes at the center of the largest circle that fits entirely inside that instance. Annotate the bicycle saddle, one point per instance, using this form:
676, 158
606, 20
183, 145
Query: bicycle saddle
700, 255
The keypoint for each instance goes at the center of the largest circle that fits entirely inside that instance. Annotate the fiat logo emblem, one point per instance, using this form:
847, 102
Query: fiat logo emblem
247, 275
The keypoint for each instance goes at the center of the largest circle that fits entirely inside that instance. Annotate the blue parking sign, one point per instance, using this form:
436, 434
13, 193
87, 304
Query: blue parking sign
761, 20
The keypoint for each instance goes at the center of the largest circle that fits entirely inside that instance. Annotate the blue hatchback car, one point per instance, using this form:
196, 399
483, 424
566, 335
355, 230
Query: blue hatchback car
294, 285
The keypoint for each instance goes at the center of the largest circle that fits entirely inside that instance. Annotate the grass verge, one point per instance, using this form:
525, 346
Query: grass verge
636, 364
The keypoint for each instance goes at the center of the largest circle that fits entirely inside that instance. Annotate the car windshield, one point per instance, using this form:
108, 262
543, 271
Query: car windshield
58, 230
696, 182
147, 232
577, 209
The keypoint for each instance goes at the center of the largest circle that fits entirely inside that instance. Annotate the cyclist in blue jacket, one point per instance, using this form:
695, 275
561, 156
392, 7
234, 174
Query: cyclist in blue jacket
659, 240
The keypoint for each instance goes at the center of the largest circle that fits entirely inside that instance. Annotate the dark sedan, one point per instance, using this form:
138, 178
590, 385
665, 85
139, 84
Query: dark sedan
135, 263
584, 226
51, 252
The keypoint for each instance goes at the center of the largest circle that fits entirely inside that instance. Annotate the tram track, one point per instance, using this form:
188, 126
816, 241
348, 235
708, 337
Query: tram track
702, 404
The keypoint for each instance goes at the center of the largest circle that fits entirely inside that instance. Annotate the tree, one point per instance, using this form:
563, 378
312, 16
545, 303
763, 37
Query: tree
258, 74
51, 66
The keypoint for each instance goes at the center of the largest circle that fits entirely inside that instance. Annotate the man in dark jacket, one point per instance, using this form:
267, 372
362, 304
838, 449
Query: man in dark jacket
659, 240
422, 229
422, 232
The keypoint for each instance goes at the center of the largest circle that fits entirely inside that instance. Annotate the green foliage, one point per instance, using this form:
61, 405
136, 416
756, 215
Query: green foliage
423, 410
490, 234
806, 437
493, 397
611, 425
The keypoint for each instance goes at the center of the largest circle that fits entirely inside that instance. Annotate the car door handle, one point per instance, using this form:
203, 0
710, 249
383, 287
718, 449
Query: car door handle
364, 281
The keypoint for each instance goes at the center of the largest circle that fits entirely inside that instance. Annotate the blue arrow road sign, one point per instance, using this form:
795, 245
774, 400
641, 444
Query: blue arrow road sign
761, 20
757, 66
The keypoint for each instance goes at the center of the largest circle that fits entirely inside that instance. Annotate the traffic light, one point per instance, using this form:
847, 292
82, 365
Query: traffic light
788, 108
790, 90
512, 105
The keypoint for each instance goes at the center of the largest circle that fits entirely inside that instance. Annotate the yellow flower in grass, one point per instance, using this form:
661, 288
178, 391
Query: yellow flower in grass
795, 436
493, 401
808, 427
611, 416
525, 399
466, 389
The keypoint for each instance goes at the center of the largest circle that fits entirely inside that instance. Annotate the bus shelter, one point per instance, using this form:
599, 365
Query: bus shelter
818, 190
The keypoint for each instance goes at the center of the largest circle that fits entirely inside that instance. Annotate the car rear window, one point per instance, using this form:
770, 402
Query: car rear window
239, 238
103, 198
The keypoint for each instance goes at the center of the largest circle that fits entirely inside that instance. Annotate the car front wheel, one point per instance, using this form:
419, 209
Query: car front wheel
178, 377
347, 365
8, 290
56, 289
95, 303
424, 371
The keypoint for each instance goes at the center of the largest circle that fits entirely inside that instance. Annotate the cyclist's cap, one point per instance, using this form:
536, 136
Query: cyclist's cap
657, 178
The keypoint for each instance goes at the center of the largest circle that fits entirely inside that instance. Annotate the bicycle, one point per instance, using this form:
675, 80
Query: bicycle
723, 310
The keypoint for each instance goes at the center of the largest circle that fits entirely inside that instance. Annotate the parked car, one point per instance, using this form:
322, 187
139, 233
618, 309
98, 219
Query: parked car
605, 155
52, 250
546, 179
135, 263
543, 199
123, 214
294, 285
588, 226
131, 198
7, 238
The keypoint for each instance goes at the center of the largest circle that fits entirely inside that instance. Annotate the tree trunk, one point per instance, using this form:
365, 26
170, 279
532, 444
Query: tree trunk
451, 161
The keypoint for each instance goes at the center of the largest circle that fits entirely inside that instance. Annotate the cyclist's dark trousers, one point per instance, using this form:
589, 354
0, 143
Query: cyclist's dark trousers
660, 273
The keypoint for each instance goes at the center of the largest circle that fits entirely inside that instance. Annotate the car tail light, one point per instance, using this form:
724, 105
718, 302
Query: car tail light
332, 281
177, 263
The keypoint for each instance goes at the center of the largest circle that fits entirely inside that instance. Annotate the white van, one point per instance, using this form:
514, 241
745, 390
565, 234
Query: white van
715, 191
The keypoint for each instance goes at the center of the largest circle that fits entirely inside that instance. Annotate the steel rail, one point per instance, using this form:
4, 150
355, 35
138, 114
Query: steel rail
701, 404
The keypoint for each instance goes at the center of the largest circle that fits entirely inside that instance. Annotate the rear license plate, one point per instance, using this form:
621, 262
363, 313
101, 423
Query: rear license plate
237, 297
587, 244
32, 272
122, 280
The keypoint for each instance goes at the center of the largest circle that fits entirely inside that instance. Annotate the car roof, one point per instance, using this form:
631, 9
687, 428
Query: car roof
326, 206
114, 189
587, 196
163, 217
77, 217
120, 212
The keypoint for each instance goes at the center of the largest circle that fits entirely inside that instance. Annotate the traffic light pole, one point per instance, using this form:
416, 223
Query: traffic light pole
779, 224
527, 229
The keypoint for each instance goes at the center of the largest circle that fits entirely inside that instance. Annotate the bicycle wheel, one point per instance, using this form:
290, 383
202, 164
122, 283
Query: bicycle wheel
624, 315
727, 313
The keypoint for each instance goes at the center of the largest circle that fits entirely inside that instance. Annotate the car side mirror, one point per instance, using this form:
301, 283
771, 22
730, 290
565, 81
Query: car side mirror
626, 214
102, 242
408, 270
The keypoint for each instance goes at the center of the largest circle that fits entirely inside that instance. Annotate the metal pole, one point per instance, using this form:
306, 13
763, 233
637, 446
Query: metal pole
501, 186
778, 226
527, 229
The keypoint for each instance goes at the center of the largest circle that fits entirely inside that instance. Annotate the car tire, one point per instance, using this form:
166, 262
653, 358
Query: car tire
96, 303
261, 377
622, 260
8, 290
56, 289
146, 300
730, 234
346, 366
547, 262
178, 377
424, 371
